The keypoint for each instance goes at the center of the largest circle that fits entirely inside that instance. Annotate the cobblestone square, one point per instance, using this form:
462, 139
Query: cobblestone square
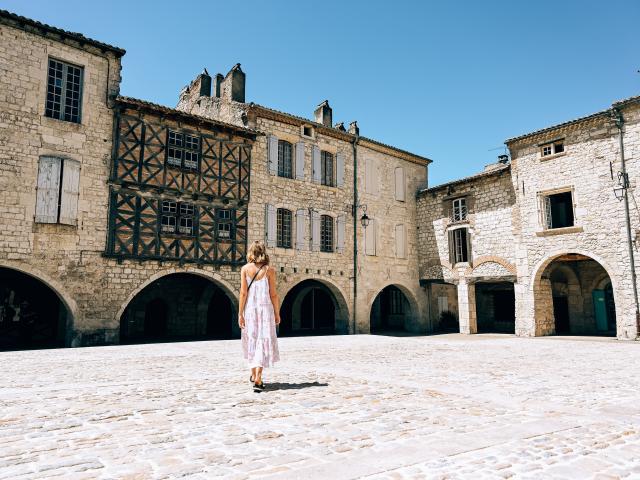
445, 406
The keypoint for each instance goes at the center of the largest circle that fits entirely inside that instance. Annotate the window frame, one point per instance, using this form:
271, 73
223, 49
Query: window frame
177, 143
311, 130
327, 234
282, 165
546, 209
224, 223
284, 231
63, 104
462, 209
179, 216
459, 250
327, 176
555, 148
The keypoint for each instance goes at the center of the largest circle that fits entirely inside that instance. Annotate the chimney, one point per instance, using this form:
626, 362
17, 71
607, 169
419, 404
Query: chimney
233, 84
340, 126
324, 114
217, 85
353, 128
205, 83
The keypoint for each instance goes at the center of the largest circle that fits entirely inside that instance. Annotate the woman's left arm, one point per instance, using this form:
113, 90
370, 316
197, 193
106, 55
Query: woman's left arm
274, 294
243, 297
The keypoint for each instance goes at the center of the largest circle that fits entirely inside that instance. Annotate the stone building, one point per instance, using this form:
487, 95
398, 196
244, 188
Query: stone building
547, 228
302, 203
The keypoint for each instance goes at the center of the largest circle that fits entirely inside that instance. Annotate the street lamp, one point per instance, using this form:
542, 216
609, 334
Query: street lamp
623, 182
364, 219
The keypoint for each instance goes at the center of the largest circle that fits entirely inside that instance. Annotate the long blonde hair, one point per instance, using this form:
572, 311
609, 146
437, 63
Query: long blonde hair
258, 253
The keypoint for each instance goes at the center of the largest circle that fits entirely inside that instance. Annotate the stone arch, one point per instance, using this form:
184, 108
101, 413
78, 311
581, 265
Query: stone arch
57, 289
342, 311
411, 321
540, 286
231, 292
510, 267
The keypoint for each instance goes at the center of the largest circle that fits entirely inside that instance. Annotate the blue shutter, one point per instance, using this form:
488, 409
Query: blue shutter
270, 225
273, 154
340, 234
300, 161
301, 218
315, 231
316, 164
339, 170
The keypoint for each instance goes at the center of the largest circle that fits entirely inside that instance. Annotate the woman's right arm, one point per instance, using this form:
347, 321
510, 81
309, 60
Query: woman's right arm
274, 294
243, 297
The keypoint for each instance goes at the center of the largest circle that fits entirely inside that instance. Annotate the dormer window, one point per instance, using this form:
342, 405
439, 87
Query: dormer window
552, 148
307, 131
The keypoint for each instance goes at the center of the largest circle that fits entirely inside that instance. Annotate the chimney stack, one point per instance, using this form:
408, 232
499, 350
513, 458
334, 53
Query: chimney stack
217, 85
353, 128
340, 126
205, 83
234, 81
324, 114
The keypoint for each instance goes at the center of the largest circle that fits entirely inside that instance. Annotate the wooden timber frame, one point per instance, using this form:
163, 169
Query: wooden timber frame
145, 181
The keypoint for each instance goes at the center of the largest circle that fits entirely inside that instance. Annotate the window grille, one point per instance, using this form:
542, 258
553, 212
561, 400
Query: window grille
459, 209
284, 159
326, 169
326, 233
64, 91
283, 228
177, 217
183, 150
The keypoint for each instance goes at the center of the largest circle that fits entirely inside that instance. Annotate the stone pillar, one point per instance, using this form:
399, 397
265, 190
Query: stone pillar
467, 307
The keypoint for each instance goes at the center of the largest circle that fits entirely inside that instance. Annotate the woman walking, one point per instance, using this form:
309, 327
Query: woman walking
259, 313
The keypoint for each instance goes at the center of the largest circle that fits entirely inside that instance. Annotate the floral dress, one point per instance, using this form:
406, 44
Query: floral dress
259, 340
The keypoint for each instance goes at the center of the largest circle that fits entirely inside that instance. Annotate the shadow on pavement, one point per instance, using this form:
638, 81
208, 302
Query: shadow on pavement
293, 386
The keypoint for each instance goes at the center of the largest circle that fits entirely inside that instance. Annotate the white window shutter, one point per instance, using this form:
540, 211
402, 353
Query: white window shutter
270, 225
273, 154
370, 237
300, 160
547, 212
400, 184
339, 170
70, 192
316, 164
47, 190
315, 231
371, 176
401, 241
340, 233
301, 218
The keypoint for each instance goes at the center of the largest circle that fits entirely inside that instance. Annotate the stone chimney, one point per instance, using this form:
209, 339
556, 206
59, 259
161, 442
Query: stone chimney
233, 84
324, 114
353, 128
340, 126
204, 79
217, 85
199, 87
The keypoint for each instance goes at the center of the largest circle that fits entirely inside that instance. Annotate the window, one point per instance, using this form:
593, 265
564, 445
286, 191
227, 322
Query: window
57, 191
224, 224
326, 233
371, 237
326, 168
183, 150
459, 245
558, 210
64, 91
284, 159
307, 131
552, 148
283, 228
177, 217
400, 184
459, 209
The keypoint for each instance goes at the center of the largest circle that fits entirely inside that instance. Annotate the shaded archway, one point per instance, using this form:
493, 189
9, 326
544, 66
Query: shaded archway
391, 311
495, 307
313, 307
32, 314
178, 307
574, 295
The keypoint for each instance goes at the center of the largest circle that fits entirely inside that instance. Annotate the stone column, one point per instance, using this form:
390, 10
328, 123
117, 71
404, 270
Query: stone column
467, 307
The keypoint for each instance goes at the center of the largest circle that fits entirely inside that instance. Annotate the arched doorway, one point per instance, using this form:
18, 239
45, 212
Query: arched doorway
495, 307
31, 313
313, 308
391, 311
178, 307
574, 296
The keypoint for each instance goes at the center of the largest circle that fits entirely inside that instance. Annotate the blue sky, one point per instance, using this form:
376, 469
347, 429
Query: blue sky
450, 80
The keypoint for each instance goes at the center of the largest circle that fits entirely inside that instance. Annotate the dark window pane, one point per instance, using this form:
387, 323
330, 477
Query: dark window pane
561, 210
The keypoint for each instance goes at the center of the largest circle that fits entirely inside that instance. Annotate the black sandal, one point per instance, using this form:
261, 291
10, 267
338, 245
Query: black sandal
251, 378
258, 388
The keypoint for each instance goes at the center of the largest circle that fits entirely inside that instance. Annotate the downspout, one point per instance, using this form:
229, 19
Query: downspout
355, 228
619, 120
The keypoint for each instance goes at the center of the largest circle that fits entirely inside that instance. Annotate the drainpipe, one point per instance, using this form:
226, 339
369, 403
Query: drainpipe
619, 121
355, 227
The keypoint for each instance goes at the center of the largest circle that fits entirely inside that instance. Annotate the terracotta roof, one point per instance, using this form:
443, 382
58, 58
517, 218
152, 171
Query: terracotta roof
338, 133
603, 113
27, 24
486, 173
135, 102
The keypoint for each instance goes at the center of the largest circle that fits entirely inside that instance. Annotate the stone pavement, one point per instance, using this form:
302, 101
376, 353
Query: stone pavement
373, 407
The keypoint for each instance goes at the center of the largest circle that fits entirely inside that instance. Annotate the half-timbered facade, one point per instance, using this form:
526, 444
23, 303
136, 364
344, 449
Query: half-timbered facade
179, 187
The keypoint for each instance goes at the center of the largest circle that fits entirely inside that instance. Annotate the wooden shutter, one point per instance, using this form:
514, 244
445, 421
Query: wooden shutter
339, 170
47, 190
468, 238
316, 164
273, 154
301, 218
300, 160
400, 184
452, 248
401, 241
371, 176
315, 231
70, 192
547, 212
270, 225
370, 237
340, 222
